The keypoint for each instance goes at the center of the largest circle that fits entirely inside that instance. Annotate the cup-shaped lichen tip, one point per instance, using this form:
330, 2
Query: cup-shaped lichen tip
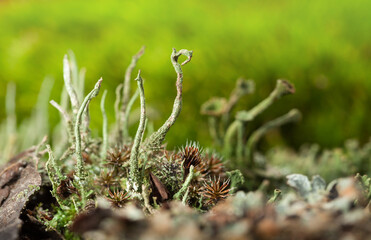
295, 114
244, 86
138, 76
284, 87
214, 107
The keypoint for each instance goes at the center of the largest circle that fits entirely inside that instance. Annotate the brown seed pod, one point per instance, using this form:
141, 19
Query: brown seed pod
216, 190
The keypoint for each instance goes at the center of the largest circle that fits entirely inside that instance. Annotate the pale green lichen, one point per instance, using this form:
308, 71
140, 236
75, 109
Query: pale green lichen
54, 174
103, 152
80, 171
184, 189
282, 88
123, 118
135, 176
127, 112
231, 136
292, 116
68, 84
67, 119
156, 139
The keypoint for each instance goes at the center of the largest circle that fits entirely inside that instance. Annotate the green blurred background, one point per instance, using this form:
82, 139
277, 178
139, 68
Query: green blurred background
323, 47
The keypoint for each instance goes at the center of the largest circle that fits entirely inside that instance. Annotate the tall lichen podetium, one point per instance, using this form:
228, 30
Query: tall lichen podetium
185, 185
282, 88
105, 127
68, 120
135, 182
80, 170
218, 109
126, 94
69, 87
156, 139
127, 113
54, 175
232, 132
292, 116
243, 87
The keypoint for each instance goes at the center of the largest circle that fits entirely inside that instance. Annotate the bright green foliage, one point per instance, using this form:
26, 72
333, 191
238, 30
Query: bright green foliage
322, 46
61, 220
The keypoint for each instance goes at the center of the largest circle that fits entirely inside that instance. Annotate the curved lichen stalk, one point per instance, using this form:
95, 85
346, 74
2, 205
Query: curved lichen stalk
282, 88
127, 112
11, 122
292, 116
129, 70
67, 119
156, 139
80, 170
54, 174
68, 83
185, 185
122, 117
104, 127
135, 176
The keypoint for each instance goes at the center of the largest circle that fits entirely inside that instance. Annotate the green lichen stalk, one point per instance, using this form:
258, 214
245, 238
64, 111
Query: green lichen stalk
156, 139
54, 174
69, 87
135, 176
122, 118
233, 138
230, 135
127, 112
67, 119
105, 126
185, 185
292, 116
282, 88
80, 171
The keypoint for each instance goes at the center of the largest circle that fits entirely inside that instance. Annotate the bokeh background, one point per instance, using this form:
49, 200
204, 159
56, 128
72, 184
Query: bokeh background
323, 47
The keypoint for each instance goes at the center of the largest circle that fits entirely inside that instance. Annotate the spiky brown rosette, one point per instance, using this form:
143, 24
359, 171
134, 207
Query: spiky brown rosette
212, 165
190, 155
117, 157
107, 179
118, 198
216, 190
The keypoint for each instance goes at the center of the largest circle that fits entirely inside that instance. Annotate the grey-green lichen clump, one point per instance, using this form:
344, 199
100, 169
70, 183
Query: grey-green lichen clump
129, 169
141, 169
232, 138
